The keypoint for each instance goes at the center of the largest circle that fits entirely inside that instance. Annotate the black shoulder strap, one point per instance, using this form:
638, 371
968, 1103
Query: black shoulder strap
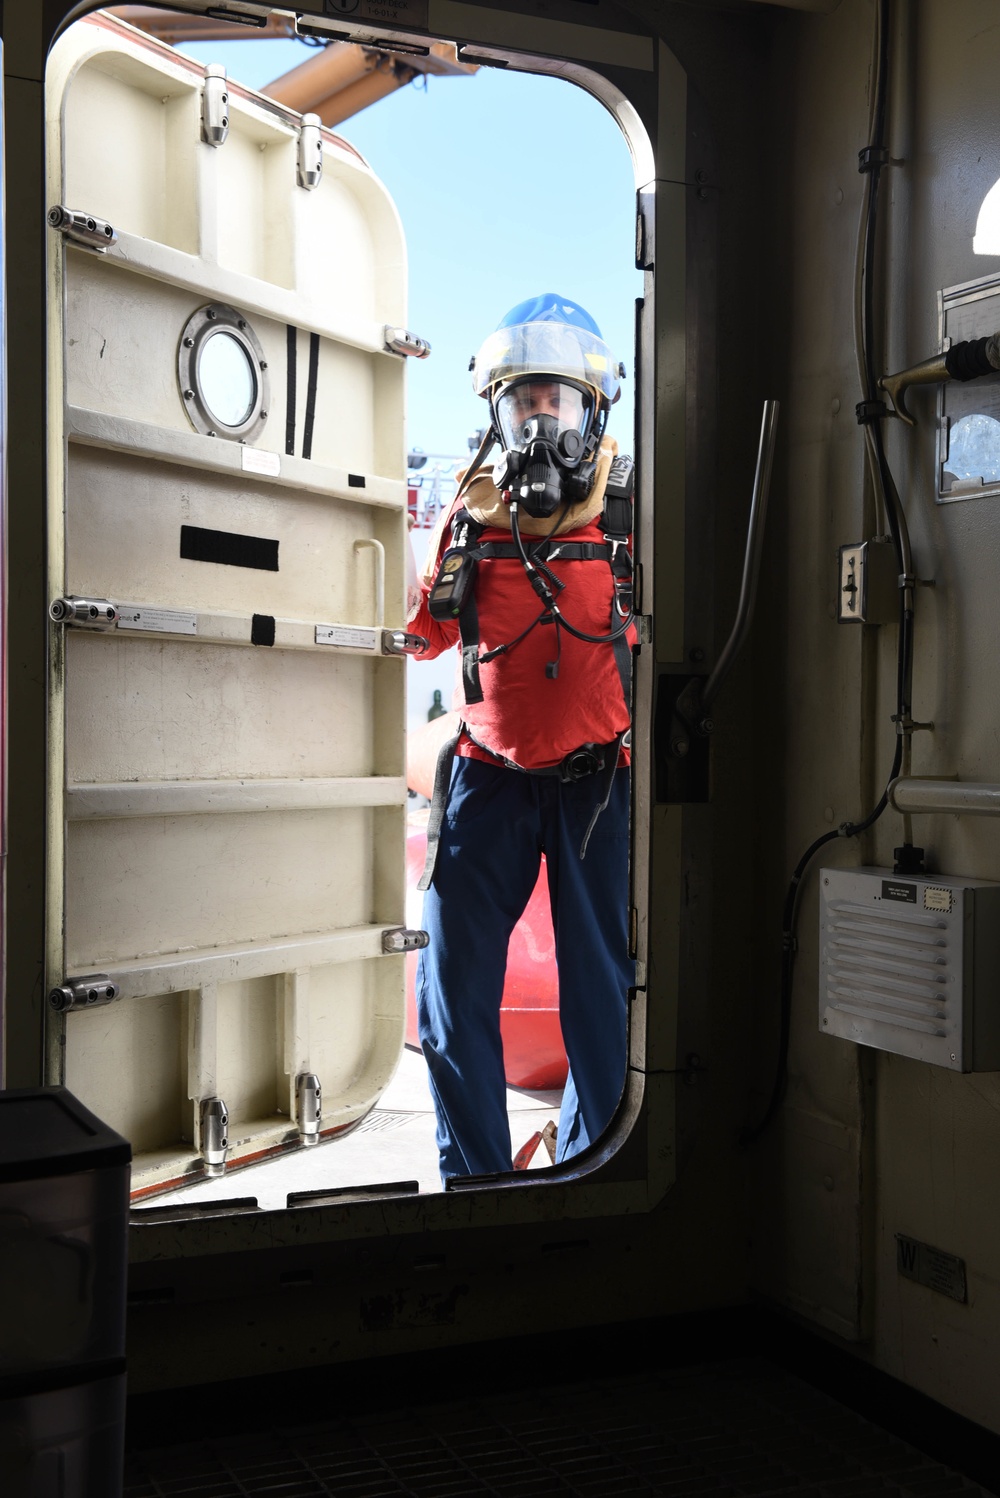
465, 533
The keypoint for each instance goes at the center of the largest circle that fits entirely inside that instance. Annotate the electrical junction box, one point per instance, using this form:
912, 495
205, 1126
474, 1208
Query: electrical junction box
911, 964
868, 585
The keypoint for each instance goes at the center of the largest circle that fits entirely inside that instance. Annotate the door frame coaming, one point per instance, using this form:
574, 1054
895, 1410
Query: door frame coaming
634, 1166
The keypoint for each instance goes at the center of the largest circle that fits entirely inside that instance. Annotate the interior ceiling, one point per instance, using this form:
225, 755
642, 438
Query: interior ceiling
339, 81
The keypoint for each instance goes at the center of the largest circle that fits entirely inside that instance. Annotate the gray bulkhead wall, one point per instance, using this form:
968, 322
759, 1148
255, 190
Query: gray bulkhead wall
872, 1145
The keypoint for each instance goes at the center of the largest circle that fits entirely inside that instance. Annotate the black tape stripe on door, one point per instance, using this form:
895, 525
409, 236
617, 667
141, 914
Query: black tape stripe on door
307, 430
262, 629
290, 360
228, 548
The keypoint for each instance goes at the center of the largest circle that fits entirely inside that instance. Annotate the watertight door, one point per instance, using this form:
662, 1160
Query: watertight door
227, 478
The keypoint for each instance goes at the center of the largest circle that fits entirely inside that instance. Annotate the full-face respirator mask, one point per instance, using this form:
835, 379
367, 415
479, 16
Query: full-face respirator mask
550, 381
549, 432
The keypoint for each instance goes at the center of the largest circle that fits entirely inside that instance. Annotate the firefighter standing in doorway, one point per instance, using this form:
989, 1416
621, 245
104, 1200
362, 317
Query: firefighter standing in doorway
531, 576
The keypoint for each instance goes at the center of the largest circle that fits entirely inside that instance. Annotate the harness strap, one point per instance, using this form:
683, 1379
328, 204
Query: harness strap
439, 802
623, 660
569, 551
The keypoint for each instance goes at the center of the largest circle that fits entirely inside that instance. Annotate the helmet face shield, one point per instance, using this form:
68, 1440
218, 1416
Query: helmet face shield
562, 351
558, 411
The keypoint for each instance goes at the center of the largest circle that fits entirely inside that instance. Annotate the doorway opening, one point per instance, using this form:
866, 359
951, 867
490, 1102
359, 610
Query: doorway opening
508, 185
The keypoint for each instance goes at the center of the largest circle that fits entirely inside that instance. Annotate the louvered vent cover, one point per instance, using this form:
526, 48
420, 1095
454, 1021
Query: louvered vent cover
911, 965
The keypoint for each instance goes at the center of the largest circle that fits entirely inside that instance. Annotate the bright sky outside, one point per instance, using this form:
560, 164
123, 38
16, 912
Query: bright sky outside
507, 184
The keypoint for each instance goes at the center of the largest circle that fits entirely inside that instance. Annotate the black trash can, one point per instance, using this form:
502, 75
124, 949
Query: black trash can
64, 1192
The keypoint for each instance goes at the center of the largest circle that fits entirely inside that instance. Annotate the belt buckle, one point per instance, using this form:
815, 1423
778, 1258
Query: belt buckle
580, 763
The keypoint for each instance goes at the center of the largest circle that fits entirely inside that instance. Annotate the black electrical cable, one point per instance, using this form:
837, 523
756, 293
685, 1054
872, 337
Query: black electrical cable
789, 946
876, 157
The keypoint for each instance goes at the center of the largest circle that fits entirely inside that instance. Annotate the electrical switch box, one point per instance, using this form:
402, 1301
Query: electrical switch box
912, 965
868, 587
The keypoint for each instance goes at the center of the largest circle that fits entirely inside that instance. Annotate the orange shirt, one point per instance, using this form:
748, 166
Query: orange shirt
526, 716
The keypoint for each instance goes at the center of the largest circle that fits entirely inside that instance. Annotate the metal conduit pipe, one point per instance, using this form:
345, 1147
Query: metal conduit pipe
915, 797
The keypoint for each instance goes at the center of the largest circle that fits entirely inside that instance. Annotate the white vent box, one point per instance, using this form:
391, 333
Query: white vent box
911, 964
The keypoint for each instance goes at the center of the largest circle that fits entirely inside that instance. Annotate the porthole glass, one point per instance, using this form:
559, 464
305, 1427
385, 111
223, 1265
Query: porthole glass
222, 374
227, 379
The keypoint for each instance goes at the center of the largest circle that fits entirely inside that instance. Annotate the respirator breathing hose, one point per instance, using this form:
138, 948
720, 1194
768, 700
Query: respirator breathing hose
533, 570
885, 491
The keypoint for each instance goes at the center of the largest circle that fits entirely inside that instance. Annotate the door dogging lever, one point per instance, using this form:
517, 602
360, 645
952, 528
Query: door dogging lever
399, 939
89, 992
93, 613
401, 642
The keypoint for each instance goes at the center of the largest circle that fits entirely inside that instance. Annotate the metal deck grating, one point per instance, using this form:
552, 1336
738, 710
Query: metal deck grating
739, 1429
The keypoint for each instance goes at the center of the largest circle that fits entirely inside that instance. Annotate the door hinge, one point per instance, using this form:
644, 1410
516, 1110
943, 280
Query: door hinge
308, 1106
399, 341
400, 939
310, 159
88, 992
83, 228
214, 1119
215, 105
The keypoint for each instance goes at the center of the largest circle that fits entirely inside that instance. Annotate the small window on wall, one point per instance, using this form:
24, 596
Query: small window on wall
969, 413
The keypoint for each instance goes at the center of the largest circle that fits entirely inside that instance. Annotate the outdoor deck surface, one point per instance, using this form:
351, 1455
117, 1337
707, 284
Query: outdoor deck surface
395, 1142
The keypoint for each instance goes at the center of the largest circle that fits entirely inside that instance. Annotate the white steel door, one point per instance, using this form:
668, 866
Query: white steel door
228, 478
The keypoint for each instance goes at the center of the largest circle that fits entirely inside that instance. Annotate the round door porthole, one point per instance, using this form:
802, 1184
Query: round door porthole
222, 374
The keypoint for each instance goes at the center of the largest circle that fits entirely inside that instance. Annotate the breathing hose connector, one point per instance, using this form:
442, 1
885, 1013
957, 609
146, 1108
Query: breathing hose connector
968, 360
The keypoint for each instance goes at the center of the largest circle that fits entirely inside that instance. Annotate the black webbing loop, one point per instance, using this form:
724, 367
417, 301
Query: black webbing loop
439, 804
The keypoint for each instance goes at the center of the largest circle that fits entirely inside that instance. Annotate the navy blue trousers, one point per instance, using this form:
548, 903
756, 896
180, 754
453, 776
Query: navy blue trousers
497, 825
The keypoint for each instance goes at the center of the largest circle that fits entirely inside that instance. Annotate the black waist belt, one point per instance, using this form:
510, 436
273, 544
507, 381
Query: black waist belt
589, 759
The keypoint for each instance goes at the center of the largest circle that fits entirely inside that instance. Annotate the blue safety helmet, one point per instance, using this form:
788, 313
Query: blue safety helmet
547, 335
550, 308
